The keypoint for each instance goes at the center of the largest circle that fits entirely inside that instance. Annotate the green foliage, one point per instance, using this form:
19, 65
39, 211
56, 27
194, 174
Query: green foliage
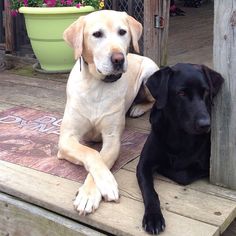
94, 3
16, 4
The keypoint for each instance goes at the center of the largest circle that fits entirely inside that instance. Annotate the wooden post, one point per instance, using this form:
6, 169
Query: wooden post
223, 146
155, 39
9, 34
1, 22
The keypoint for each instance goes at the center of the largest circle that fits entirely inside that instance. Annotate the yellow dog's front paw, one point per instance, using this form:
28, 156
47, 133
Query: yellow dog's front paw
87, 200
107, 185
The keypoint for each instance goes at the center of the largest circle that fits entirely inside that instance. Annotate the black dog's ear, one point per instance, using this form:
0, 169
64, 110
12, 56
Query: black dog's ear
214, 79
158, 86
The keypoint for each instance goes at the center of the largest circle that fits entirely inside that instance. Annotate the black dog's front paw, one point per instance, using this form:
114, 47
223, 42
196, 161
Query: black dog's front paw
154, 222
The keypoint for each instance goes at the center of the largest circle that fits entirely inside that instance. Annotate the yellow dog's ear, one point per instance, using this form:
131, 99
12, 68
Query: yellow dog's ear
136, 30
73, 35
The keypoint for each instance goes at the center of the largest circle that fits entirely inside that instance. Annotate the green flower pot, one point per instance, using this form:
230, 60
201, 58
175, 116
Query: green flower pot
45, 27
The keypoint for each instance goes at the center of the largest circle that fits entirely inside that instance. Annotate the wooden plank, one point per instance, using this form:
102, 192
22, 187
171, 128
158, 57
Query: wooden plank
183, 201
18, 218
35, 93
191, 36
155, 39
9, 34
46, 82
165, 13
223, 134
231, 231
131, 166
195, 56
203, 185
4, 106
55, 193
206, 187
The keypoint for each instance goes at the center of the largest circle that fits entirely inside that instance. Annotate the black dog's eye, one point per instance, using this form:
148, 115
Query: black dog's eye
181, 93
122, 32
205, 94
98, 34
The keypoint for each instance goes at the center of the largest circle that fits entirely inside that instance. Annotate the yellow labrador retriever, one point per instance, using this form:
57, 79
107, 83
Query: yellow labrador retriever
101, 89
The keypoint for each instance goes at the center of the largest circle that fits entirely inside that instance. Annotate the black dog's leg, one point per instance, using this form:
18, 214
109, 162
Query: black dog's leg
153, 221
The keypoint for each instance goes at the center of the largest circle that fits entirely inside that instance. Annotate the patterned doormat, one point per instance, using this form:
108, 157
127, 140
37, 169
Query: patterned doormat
29, 137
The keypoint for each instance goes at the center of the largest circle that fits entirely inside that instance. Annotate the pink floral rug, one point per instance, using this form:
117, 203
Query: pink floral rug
29, 137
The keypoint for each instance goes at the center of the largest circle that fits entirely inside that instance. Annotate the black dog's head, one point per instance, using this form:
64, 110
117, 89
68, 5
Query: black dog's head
184, 92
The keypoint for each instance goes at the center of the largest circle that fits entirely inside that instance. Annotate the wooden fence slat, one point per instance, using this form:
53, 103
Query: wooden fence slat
114, 4
155, 39
223, 148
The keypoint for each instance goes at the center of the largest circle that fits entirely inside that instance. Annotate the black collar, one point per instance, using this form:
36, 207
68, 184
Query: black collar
112, 78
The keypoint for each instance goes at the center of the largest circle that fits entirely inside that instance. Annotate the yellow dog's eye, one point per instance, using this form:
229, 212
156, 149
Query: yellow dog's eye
98, 34
122, 32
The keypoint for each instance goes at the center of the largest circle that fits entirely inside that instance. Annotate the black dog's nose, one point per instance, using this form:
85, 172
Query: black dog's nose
203, 125
117, 60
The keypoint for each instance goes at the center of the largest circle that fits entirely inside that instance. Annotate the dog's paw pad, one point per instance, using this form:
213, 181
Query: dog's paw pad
87, 201
136, 110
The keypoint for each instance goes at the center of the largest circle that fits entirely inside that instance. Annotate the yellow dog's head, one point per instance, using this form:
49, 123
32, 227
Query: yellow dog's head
103, 38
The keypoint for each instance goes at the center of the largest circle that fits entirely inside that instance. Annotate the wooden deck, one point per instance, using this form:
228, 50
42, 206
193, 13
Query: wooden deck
34, 198
185, 211
38, 204
191, 36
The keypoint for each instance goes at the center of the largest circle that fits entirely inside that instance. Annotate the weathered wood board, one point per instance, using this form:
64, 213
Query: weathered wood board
18, 218
183, 201
155, 39
123, 218
223, 135
191, 36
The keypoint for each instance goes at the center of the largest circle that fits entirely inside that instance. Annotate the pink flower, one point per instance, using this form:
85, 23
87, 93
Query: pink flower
69, 2
25, 3
78, 5
63, 2
14, 12
50, 3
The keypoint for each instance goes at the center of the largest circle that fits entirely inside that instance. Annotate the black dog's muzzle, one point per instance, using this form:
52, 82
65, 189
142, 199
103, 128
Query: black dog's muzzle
112, 78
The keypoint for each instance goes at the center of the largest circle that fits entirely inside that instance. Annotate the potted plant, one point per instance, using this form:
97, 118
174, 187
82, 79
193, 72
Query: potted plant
45, 22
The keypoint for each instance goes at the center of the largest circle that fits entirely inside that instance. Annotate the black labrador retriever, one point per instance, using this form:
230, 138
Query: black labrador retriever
178, 146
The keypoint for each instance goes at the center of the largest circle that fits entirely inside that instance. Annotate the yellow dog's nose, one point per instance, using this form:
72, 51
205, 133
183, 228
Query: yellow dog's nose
117, 60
